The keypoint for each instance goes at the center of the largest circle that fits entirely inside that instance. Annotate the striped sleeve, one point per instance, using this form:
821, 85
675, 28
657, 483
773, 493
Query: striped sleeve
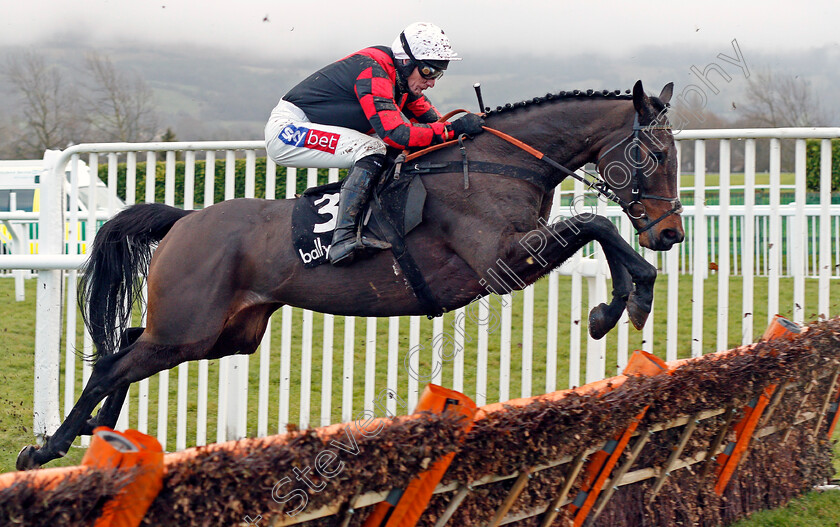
375, 91
422, 109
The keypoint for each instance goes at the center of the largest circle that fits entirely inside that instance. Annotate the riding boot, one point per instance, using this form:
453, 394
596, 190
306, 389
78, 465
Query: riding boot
355, 192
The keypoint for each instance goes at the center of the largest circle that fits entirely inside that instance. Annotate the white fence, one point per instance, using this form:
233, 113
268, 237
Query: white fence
339, 372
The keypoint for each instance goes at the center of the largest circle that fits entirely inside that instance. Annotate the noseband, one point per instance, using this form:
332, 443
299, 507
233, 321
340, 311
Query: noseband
634, 208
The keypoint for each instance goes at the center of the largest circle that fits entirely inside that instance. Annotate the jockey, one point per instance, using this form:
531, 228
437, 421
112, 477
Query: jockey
346, 114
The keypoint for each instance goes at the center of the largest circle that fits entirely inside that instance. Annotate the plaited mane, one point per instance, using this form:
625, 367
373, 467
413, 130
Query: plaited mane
574, 94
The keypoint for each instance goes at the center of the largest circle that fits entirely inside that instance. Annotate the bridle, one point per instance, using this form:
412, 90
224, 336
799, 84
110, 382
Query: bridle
634, 208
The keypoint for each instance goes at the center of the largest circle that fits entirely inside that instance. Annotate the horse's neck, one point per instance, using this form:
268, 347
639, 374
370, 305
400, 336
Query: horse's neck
591, 124
572, 132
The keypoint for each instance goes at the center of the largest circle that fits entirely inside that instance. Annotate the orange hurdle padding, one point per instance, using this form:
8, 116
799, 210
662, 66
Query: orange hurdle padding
403, 507
780, 327
727, 461
639, 363
602, 462
108, 450
126, 451
599, 469
833, 413
46, 478
647, 364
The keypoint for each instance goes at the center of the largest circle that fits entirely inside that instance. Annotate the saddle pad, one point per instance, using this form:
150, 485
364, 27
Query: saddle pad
313, 221
315, 212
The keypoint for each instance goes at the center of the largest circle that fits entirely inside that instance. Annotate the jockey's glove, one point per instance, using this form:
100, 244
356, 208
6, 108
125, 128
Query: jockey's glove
470, 124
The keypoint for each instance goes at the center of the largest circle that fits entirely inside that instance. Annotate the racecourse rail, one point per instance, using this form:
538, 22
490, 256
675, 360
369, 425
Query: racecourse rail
772, 241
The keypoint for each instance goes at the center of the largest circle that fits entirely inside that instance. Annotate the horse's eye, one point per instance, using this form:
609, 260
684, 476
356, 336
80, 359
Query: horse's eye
659, 157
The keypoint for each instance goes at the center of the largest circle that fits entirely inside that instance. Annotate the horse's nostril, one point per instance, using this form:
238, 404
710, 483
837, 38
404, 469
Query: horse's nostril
671, 236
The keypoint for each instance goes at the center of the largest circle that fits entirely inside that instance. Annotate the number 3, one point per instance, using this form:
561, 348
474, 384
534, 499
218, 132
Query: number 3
331, 208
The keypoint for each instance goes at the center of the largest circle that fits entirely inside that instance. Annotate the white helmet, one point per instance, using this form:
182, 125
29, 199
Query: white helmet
425, 42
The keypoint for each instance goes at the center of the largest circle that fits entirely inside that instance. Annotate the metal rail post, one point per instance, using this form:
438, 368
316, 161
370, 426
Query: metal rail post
48, 318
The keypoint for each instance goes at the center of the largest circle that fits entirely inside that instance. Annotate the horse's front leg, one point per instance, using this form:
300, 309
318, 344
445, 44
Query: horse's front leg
625, 261
604, 317
642, 273
633, 276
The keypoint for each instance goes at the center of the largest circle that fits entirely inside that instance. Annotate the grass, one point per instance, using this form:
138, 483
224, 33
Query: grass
17, 339
736, 179
17, 327
712, 179
814, 509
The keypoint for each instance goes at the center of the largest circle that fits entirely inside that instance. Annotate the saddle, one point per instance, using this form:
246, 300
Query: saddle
393, 211
395, 208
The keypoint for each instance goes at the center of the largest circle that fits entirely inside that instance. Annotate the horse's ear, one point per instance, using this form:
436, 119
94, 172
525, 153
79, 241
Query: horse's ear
667, 92
640, 100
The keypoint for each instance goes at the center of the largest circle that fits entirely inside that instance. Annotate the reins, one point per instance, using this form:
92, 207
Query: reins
596, 183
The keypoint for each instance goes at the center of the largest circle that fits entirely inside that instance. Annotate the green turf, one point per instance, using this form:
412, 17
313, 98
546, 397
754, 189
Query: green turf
712, 179
814, 509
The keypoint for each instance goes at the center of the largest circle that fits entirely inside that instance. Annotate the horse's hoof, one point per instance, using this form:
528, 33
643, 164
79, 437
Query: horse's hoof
598, 325
638, 315
26, 458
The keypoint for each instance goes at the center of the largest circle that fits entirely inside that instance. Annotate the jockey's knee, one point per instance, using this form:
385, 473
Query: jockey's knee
373, 146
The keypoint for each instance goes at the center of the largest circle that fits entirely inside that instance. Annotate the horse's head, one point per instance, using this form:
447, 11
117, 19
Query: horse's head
641, 168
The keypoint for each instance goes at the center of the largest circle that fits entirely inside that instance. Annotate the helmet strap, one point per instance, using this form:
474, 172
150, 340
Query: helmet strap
404, 68
407, 48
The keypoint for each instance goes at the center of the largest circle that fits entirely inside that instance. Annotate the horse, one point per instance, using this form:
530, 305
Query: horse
217, 274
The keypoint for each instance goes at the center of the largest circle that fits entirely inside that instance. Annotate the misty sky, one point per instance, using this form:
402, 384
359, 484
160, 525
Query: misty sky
281, 29
225, 63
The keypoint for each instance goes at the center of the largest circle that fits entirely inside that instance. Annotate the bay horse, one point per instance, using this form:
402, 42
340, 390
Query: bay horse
219, 273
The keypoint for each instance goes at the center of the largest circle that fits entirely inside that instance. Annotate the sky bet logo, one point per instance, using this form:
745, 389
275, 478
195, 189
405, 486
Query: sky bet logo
314, 139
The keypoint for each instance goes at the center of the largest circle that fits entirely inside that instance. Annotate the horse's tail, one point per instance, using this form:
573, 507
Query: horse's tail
116, 267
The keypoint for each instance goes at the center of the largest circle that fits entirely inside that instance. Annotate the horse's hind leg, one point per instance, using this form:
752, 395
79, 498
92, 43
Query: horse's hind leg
55, 446
111, 374
109, 413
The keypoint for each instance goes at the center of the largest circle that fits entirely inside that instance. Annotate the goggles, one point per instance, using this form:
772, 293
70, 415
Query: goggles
429, 70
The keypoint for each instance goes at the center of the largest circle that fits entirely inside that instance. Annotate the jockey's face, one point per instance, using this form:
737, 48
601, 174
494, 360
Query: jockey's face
416, 83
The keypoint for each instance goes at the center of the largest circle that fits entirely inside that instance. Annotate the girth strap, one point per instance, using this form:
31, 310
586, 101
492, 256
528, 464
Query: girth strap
465, 162
406, 262
392, 235
482, 167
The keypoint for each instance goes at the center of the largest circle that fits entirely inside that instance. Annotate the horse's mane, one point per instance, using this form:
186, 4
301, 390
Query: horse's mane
574, 94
